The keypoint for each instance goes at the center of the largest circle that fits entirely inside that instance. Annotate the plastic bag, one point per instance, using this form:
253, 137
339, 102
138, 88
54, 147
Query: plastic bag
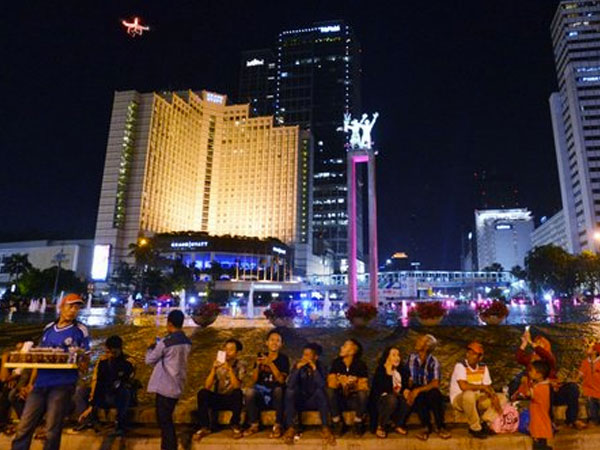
508, 421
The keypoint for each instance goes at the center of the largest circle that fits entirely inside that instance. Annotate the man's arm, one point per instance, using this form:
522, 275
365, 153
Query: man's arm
155, 353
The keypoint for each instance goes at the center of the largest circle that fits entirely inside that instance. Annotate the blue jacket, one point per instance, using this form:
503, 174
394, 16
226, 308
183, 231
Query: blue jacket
169, 358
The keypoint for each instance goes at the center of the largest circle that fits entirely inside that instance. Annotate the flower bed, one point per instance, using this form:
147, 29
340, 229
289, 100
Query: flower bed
361, 314
280, 314
493, 313
205, 314
430, 313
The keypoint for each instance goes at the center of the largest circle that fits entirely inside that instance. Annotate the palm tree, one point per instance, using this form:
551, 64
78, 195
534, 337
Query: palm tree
16, 265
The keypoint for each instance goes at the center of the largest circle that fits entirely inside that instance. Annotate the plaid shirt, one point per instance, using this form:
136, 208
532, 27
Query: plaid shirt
422, 374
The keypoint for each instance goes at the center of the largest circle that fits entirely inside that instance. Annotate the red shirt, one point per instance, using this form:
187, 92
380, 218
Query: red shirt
525, 358
591, 377
540, 425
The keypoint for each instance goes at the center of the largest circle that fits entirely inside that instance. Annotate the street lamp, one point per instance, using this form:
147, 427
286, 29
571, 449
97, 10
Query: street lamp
59, 258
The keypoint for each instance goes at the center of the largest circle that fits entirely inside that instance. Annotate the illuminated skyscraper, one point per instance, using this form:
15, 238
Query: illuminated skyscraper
186, 161
576, 118
317, 82
258, 72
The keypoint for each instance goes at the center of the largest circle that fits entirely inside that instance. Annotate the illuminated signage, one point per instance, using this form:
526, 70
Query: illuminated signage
189, 244
100, 262
279, 250
215, 98
255, 62
267, 287
329, 29
503, 226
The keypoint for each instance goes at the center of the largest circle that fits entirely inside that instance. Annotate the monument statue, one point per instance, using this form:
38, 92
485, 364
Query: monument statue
354, 127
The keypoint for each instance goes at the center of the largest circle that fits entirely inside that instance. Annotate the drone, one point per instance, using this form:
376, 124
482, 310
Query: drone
135, 28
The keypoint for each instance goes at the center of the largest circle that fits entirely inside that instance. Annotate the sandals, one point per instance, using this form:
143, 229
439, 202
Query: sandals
202, 432
381, 433
401, 431
444, 434
423, 436
252, 429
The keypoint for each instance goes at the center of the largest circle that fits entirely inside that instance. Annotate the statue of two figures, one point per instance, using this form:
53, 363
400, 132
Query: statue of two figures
355, 127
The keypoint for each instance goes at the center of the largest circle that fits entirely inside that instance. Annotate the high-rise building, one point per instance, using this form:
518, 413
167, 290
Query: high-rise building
258, 72
502, 236
187, 161
551, 231
576, 118
317, 82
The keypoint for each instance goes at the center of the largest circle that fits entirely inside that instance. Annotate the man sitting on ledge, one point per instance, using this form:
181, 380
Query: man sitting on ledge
222, 391
471, 392
306, 391
348, 387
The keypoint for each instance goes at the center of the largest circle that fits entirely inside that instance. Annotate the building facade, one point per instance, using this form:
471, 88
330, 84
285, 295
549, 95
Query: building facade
187, 161
75, 255
576, 118
552, 231
503, 236
258, 73
317, 82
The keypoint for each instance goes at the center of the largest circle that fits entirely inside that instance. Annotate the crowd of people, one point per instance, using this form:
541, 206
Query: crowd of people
401, 385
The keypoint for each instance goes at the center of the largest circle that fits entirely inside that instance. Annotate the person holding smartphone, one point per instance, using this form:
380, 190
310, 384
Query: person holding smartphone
268, 377
222, 390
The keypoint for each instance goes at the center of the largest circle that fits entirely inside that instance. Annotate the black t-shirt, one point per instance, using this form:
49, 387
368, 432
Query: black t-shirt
265, 376
357, 368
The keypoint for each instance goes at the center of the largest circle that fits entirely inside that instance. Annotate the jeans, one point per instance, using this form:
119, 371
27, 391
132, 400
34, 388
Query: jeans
338, 402
392, 407
164, 414
295, 403
256, 401
119, 399
213, 401
427, 402
567, 394
593, 406
54, 401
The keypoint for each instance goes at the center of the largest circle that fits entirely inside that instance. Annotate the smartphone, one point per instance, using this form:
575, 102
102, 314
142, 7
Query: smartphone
527, 328
221, 356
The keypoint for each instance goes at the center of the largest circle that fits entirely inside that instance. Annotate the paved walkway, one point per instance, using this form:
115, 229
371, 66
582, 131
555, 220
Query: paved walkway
148, 438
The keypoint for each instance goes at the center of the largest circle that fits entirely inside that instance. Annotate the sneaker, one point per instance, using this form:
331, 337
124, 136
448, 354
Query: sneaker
289, 435
276, 432
479, 434
486, 429
237, 432
337, 428
327, 435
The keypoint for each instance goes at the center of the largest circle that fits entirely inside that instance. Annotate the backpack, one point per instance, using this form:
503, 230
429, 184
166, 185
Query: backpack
507, 421
524, 421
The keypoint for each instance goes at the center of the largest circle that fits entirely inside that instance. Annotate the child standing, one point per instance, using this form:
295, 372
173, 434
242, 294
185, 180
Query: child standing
590, 371
540, 426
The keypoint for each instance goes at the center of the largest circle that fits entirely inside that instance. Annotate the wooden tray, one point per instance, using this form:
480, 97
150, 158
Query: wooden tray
23, 365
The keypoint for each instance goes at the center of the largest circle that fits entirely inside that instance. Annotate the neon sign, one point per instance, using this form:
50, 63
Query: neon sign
255, 62
135, 28
189, 244
215, 98
279, 250
329, 29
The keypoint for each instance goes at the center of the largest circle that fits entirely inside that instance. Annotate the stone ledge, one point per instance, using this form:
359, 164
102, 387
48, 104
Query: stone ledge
148, 438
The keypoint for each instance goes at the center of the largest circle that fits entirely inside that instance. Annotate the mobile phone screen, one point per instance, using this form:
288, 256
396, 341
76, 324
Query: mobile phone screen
221, 356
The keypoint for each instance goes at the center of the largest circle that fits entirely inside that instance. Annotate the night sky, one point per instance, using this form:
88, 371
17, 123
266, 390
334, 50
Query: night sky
460, 85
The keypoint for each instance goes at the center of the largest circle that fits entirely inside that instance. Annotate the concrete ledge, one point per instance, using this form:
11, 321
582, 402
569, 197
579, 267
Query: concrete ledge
148, 438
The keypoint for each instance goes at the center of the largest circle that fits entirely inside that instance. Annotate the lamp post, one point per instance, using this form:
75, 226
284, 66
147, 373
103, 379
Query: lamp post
59, 258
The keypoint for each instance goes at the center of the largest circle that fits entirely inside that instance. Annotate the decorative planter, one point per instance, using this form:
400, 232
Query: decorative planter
492, 320
282, 322
430, 322
204, 321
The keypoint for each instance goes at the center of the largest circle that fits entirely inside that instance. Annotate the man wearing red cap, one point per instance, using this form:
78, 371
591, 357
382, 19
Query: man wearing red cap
471, 391
54, 388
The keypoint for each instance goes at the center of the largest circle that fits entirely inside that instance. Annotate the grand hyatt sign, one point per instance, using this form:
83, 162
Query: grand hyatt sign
189, 244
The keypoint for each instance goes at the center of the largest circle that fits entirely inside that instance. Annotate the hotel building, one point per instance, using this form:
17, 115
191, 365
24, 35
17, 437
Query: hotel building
576, 118
188, 161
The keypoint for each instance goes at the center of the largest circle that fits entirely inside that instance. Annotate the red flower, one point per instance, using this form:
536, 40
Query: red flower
361, 310
430, 310
207, 310
279, 310
496, 308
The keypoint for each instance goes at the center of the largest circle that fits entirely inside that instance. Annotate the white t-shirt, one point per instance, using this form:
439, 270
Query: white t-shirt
478, 375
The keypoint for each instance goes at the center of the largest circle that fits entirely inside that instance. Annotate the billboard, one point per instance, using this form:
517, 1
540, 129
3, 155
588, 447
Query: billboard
100, 262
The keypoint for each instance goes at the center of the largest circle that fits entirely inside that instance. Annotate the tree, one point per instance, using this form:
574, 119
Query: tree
518, 272
179, 277
495, 267
496, 294
16, 265
145, 253
124, 277
550, 267
587, 269
37, 283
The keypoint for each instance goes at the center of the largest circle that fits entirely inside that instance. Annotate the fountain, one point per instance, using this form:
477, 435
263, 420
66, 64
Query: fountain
88, 306
250, 307
326, 306
33, 305
182, 304
129, 306
43, 305
58, 300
